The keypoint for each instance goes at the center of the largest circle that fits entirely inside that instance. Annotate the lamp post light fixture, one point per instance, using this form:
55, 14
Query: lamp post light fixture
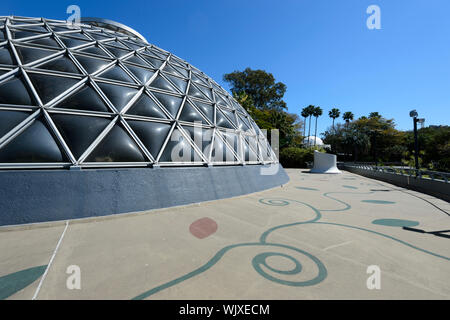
413, 114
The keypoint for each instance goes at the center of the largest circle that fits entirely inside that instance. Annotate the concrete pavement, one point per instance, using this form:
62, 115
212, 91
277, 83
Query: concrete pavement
313, 238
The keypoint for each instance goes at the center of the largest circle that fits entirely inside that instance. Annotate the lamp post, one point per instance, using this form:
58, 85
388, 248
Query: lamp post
413, 114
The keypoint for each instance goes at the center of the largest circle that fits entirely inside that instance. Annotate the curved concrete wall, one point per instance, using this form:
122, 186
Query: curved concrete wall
324, 163
50, 195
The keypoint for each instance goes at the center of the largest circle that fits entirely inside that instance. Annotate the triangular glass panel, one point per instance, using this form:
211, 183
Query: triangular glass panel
119, 53
76, 35
198, 79
171, 103
232, 139
182, 71
161, 83
195, 92
137, 60
34, 145
117, 44
14, 91
178, 149
221, 152
47, 41
48, 86
156, 63
181, 84
222, 121
190, 114
35, 28
72, 42
10, 119
6, 56
62, 64
154, 53
220, 99
132, 45
95, 50
142, 74
152, 134
146, 107
244, 120
202, 138
229, 115
116, 73
92, 65
206, 91
248, 153
119, 96
207, 109
60, 28
242, 125
84, 99
98, 35
79, 131
21, 34
32, 54
117, 146
169, 69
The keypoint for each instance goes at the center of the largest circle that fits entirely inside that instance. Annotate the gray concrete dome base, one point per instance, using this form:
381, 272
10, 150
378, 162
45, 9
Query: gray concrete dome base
50, 195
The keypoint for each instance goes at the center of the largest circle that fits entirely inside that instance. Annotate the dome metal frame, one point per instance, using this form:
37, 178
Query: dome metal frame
171, 71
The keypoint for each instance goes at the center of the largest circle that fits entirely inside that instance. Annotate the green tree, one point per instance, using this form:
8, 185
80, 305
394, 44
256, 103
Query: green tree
316, 113
348, 116
305, 114
334, 114
310, 111
260, 85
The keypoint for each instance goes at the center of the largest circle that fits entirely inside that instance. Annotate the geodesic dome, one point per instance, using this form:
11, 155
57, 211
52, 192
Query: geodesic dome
91, 97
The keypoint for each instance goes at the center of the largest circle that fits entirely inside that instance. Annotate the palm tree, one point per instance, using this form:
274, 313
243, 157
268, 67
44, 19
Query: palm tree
310, 111
334, 114
347, 116
305, 115
316, 113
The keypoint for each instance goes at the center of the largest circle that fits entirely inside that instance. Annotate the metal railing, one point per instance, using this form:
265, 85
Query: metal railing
402, 170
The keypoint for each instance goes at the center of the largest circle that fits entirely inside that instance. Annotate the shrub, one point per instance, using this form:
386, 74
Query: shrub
296, 157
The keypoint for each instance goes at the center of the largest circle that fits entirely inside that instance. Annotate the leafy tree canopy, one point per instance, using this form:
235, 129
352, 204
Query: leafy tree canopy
260, 85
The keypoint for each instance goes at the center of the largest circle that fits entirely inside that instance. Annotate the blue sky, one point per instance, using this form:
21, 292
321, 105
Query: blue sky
321, 49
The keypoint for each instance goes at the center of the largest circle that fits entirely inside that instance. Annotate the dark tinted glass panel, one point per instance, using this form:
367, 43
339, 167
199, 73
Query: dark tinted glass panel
48, 87
195, 92
220, 100
20, 34
116, 73
94, 50
14, 91
220, 152
222, 121
48, 41
79, 131
92, 65
198, 79
117, 44
178, 149
206, 91
32, 54
201, 137
117, 146
179, 83
171, 103
85, 99
6, 56
119, 53
10, 119
190, 114
118, 95
63, 64
169, 69
141, 73
137, 60
182, 71
230, 115
151, 134
154, 62
35, 144
207, 109
162, 83
145, 106
71, 42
